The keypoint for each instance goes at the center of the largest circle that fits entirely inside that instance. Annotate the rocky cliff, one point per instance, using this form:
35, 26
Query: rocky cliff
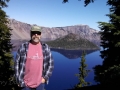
21, 31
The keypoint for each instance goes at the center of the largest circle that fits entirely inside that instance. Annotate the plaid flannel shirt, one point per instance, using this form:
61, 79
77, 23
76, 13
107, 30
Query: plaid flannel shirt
20, 60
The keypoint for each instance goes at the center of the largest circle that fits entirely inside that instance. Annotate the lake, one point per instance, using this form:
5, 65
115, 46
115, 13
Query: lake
66, 64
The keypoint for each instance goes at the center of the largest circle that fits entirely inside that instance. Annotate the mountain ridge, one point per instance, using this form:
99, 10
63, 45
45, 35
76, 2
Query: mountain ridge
21, 31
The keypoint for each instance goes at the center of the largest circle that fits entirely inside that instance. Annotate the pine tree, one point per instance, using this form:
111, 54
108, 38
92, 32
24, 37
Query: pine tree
108, 74
6, 58
83, 72
86, 2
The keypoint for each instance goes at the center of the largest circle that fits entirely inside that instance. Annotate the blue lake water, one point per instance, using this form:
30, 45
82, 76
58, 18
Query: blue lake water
65, 68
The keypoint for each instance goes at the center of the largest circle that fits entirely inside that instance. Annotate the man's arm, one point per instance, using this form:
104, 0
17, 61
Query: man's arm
50, 64
16, 65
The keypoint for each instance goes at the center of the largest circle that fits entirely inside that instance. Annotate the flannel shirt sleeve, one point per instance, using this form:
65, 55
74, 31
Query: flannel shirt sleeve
50, 63
16, 65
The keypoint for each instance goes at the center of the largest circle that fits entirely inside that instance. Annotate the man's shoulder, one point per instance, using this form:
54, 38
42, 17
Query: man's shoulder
44, 44
24, 43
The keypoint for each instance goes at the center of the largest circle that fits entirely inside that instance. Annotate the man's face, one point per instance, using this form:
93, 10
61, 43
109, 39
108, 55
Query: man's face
35, 36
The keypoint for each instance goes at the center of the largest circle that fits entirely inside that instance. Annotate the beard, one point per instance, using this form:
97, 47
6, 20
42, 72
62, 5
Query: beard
35, 39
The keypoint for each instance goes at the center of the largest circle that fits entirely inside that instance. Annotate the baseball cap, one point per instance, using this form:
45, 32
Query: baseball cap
36, 28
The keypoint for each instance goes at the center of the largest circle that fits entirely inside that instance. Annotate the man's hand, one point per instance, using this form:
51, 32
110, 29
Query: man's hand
43, 80
18, 85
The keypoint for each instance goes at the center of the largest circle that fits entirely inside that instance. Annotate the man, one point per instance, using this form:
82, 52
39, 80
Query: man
33, 63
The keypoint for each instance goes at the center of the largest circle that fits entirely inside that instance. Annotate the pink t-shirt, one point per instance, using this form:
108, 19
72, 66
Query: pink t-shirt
34, 66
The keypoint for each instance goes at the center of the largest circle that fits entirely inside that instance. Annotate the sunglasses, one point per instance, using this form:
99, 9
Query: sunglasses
36, 32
